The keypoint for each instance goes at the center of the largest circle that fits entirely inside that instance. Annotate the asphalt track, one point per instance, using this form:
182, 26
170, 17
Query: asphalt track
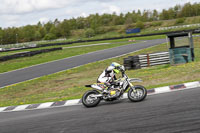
174, 112
67, 63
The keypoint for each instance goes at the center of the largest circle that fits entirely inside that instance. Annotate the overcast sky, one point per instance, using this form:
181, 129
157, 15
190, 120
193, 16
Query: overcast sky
23, 12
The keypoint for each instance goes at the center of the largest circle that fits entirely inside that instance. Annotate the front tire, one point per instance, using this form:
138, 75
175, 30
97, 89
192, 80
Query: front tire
139, 95
89, 101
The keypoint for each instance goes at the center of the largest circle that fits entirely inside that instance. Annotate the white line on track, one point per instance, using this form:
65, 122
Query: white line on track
89, 45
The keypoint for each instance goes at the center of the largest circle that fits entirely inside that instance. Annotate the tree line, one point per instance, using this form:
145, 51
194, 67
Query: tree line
93, 24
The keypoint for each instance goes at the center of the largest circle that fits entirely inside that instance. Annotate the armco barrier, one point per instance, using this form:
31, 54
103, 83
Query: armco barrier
26, 54
147, 60
154, 59
7, 50
180, 26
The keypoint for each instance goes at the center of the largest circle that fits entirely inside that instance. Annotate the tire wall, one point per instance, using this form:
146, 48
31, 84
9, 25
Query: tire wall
28, 54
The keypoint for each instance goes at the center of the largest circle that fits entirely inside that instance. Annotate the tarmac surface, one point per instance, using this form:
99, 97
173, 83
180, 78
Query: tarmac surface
36, 71
174, 112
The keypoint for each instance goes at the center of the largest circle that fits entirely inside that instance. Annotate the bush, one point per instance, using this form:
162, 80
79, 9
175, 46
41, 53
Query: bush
89, 33
106, 29
100, 30
50, 36
78, 33
130, 26
192, 20
111, 28
122, 30
155, 24
140, 25
180, 20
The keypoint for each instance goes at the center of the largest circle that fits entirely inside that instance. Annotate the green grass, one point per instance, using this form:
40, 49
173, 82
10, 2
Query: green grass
51, 56
70, 83
55, 55
86, 43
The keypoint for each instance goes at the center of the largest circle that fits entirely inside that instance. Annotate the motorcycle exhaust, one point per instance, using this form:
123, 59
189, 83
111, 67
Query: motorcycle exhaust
96, 96
97, 87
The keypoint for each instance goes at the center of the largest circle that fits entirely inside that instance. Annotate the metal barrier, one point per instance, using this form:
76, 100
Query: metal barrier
147, 60
154, 59
180, 26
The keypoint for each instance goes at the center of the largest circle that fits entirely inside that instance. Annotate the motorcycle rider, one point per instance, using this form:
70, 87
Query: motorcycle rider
108, 76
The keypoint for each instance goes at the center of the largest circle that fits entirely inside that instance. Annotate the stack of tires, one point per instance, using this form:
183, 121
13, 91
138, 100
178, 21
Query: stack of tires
136, 62
128, 63
132, 62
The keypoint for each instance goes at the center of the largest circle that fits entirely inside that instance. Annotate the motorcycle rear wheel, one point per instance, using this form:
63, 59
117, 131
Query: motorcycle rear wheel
88, 101
139, 95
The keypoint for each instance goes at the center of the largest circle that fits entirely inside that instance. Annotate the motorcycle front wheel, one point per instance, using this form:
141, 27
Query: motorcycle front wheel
89, 101
138, 95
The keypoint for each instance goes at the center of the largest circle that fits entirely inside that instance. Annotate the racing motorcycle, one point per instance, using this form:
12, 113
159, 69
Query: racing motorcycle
114, 91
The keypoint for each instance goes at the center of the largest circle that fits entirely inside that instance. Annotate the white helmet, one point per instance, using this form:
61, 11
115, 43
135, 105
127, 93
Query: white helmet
110, 68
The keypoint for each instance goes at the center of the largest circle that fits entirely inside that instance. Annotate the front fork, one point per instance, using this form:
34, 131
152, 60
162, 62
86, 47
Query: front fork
132, 87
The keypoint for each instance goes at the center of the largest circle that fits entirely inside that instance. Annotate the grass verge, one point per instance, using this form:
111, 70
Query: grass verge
51, 56
70, 83
85, 43
46, 57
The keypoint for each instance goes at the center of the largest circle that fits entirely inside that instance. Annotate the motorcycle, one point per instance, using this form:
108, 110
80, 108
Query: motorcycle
114, 91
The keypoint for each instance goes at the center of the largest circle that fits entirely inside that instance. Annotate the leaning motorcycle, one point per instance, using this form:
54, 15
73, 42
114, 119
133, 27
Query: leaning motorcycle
136, 93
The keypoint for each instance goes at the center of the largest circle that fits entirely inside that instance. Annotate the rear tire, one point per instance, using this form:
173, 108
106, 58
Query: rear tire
140, 96
90, 102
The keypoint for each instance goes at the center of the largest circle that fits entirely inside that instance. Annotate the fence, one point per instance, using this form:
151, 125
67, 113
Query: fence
180, 26
147, 60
